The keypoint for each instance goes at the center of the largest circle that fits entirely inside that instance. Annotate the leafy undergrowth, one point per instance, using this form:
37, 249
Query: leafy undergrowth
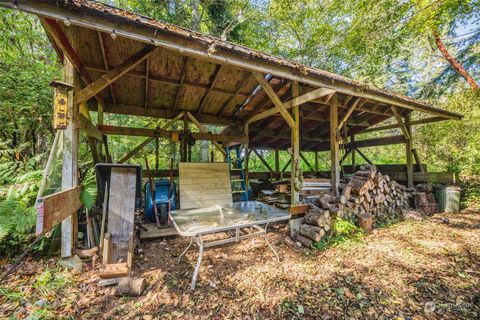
344, 233
411, 270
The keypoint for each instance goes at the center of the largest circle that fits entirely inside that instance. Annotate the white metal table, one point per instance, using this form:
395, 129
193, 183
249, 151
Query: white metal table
197, 223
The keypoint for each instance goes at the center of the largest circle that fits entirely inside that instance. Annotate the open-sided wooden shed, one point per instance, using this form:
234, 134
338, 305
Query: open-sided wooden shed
124, 63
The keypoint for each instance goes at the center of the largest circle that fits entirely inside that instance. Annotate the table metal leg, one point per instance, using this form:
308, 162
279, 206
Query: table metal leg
186, 249
199, 242
269, 245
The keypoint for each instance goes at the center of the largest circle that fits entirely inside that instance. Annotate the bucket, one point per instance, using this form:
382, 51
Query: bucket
448, 198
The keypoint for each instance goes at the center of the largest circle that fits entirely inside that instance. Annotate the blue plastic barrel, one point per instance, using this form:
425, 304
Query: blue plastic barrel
162, 189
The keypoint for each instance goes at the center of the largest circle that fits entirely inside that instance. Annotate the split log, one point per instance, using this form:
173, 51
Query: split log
318, 219
305, 241
312, 232
359, 187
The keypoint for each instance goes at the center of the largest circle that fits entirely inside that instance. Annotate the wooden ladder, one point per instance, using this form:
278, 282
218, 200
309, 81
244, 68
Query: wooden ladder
237, 175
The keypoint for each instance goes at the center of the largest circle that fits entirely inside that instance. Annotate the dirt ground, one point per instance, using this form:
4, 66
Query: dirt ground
411, 270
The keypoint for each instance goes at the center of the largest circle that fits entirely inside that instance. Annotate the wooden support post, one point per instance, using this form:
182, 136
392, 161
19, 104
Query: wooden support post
295, 131
417, 160
316, 161
277, 160
408, 150
334, 162
100, 110
247, 157
184, 142
354, 154
70, 163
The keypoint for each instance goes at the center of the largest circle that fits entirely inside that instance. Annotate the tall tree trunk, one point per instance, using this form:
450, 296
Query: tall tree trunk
454, 62
195, 14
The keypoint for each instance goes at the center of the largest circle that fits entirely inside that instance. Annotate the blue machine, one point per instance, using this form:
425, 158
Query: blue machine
162, 189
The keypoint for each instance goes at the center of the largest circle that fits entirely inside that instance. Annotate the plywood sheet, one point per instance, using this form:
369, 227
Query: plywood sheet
204, 184
121, 211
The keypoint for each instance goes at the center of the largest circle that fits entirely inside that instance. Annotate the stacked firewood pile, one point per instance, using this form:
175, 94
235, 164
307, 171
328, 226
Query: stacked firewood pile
424, 199
368, 197
370, 192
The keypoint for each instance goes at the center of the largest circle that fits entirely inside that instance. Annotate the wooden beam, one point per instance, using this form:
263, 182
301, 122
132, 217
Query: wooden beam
417, 160
334, 161
291, 103
306, 161
205, 131
162, 133
412, 123
105, 64
265, 163
287, 164
316, 160
147, 141
165, 113
93, 88
400, 123
345, 155
90, 129
275, 99
349, 112
363, 156
169, 81
353, 152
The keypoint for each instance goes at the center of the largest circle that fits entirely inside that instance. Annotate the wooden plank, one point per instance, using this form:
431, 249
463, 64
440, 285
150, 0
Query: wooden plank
153, 232
90, 129
334, 160
121, 207
275, 99
114, 270
107, 79
56, 207
196, 190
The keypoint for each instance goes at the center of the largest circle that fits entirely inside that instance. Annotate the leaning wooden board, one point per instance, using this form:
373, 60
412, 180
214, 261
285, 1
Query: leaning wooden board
204, 184
121, 211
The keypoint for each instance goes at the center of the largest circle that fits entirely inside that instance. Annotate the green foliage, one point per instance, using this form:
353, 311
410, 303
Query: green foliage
344, 233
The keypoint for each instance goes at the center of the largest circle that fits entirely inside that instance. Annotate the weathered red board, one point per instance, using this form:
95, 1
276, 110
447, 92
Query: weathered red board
56, 207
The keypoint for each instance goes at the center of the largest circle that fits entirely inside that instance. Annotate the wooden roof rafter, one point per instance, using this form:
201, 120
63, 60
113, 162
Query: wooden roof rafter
213, 82
181, 81
105, 63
